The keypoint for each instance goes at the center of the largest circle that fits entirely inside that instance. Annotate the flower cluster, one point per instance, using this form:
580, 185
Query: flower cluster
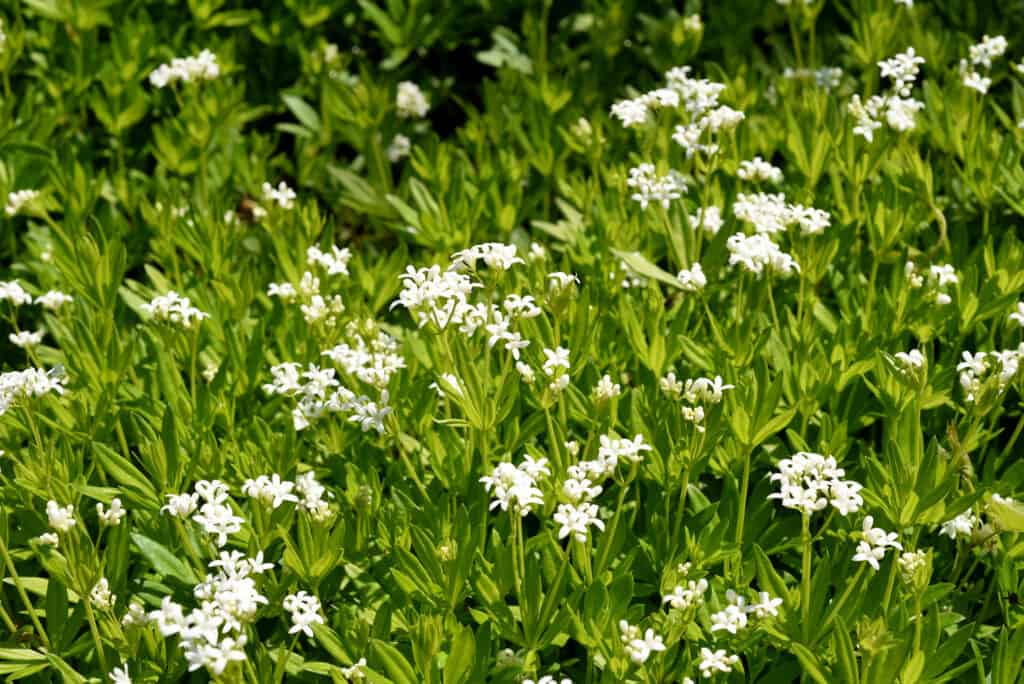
771, 214
758, 170
202, 67
935, 282
981, 56
283, 196
515, 487
30, 383
175, 310
874, 542
410, 101
758, 254
809, 482
733, 618
212, 635
305, 612
639, 648
650, 187
18, 199
897, 106
993, 370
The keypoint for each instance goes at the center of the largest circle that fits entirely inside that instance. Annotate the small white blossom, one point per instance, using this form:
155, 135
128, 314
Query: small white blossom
111, 517
60, 518
410, 101
282, 195
16, 201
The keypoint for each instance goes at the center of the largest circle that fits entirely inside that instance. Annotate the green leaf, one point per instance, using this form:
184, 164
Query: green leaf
460, 658
306, 115
394, 663
162, 560
639, 263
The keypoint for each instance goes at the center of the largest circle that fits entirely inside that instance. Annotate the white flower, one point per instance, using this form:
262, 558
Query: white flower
174, 309
201, 67
29, 383
962, 525
135, 616
283, 195
400, 147
119, 675
495, 255
757, 253
766, 605
733, 617
555, 359
988, 49
334, 261
101, 596
54, 300
708, 219
639, 649
26, 338
1018, 315
410, 101
576, 519
809, 482
111, 517
630, 112
559, 281
11, 291
515, 487
60, 518
607, 390
903, 69
866, 115
48, 539
17, 200
706, 390
912, 360
612, 449
219, 521
548, 679
910, 563
180, 505
975, 81
651, 187
305, 612
693, 279
355, 673
758, 170
681, 598
876, 540
715, 661
270, 490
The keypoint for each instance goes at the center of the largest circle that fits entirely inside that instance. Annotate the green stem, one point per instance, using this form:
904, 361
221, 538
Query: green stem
805, 575
22, 594
838, 605
742, 513
612, 529
91, 617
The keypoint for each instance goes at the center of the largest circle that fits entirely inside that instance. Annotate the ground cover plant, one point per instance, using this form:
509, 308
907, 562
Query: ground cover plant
460, 342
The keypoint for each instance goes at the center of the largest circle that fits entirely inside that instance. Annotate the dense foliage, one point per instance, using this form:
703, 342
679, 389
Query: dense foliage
486, 341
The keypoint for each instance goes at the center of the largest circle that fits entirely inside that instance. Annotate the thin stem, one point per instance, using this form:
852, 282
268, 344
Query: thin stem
805, 574
8, 622
21, 593
91, 617
612, 529
771, 306
742, 514
838, 605
195, 360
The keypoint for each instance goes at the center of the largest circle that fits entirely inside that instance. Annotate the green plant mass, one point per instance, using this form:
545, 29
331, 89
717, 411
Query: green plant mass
511, 341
